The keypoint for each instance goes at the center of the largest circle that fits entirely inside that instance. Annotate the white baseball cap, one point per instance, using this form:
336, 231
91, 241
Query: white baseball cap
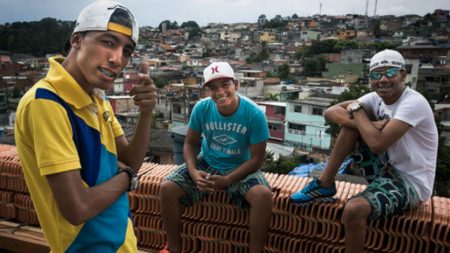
217, 70
104, 15
387, 58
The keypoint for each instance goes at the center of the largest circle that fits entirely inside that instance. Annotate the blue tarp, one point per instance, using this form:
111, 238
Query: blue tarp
304, 170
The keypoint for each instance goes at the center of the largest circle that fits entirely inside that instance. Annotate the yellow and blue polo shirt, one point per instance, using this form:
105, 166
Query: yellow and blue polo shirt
59, 127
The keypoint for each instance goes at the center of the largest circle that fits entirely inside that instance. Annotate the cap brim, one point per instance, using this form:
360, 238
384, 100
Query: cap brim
386, 66
217, 78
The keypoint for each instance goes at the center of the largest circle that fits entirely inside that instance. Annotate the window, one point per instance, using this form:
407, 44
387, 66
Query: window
280, 110
176, 109
317, 111
297, 108
248, 83
296, 126
273, 126
319, 133
296, 129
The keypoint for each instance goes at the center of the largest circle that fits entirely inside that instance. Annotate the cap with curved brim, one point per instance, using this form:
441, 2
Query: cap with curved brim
217, 70
108, 15
387, 58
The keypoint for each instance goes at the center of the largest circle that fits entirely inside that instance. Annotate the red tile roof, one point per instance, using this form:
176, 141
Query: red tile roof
216, 225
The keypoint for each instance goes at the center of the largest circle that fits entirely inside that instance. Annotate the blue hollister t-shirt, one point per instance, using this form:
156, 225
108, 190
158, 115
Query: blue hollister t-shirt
227, 139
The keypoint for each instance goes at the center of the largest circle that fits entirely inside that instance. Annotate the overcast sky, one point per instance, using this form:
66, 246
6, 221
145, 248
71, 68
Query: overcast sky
152, 12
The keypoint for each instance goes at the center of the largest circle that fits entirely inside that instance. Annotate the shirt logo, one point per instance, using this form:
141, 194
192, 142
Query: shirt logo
106, 116
224, 139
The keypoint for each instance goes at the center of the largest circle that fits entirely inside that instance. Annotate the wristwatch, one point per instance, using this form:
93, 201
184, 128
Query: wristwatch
134, 180
353, 107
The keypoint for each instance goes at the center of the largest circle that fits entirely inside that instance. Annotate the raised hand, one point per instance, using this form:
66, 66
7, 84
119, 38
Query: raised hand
144, 92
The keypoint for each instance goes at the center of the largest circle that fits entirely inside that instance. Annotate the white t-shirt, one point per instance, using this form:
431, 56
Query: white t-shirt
415, 153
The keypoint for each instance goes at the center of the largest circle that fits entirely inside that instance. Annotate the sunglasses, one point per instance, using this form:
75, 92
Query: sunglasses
389, 73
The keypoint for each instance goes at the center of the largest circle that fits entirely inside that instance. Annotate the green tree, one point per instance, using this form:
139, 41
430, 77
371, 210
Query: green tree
302, 53
169, 25
283, 165
376, 29
195, 33
283, 71
314, 66
261, 56
264, 54
442, 179
17, 92
262, 20
347, 44
322, 47
380, 45
37, 38
190, 24
193, 29
271, 97
11, 42
251, 58
276, 22
272, 74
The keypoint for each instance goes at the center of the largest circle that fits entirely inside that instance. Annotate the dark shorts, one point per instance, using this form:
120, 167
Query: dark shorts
388, 193
236, 191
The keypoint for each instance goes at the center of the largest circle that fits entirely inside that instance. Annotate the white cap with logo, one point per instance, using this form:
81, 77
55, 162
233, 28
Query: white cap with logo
104, 15
387, 58
217, 70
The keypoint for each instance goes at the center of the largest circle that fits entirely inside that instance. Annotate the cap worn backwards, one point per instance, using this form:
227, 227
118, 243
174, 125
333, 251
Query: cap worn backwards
217, 70
108, 15
387, 58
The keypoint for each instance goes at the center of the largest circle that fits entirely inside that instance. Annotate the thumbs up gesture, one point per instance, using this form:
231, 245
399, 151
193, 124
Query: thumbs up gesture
144, 91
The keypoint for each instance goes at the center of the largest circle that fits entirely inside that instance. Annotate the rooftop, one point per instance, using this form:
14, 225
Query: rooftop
216, 225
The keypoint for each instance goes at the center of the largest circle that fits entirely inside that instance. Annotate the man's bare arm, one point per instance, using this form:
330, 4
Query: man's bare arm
257, 152
338, 114
77, 202
379, 141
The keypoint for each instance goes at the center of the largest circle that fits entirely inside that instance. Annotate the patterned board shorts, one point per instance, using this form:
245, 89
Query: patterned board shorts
388, 193
236, 191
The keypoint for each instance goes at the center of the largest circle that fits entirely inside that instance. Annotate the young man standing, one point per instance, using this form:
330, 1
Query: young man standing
398, 149
72, 149
232, 151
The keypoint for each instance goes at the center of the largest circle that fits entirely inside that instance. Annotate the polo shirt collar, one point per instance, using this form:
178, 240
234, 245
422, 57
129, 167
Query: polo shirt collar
65, 85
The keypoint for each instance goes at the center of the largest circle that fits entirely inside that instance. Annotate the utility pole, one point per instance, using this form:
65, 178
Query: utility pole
366, 17
367, 6
375, 9
320, 9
